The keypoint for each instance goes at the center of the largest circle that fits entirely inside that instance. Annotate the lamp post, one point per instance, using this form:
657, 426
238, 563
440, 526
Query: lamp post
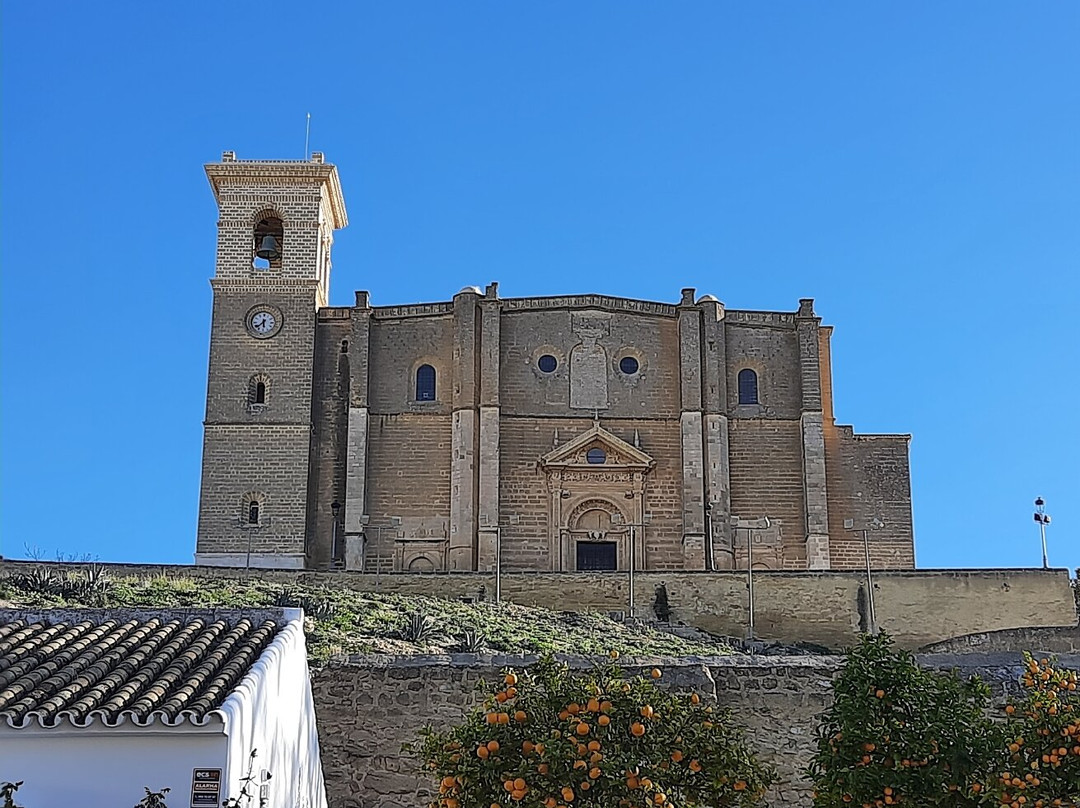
498, 564
876, 524
710, 560
750, 577
1043, 519
632, 554
335, 506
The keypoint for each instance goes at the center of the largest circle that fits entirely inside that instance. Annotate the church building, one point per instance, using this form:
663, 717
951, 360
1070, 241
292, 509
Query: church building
564, 433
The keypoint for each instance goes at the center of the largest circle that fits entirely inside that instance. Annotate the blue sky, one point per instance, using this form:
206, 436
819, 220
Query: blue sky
915, 167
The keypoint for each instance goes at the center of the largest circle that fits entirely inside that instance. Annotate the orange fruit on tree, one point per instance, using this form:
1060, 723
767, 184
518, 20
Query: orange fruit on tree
582, 729
605, 706
511, 678
519, 784
594, 746
482, 752
593, 705
568, 794
695, 698
493, 746
637, 729
603, 720
655, 673
520, 716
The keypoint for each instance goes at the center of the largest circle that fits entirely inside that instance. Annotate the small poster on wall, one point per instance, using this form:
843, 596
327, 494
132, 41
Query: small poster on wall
205, 787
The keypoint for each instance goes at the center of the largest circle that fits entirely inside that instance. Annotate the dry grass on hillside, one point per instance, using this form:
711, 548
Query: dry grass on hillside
343, 621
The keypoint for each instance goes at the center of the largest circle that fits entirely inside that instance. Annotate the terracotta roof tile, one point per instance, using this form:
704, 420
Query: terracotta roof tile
113, 669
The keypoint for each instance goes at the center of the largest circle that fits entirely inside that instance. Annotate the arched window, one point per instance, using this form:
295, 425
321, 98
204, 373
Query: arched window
748, 386
252, 513
259, 391
425, 383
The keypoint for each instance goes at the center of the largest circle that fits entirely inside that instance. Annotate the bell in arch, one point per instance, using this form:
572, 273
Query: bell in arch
268, 249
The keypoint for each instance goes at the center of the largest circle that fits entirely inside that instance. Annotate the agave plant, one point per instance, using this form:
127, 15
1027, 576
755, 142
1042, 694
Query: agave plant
419, 629
470, 641
320, 607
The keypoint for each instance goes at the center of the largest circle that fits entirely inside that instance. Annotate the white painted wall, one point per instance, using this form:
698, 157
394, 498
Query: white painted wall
65, 768
273, 712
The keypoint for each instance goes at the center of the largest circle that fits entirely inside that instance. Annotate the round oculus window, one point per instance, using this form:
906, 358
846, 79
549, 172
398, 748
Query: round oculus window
547, 363
629, 365
595, 456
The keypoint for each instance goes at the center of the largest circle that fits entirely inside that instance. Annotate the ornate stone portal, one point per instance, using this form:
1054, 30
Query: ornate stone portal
597, 491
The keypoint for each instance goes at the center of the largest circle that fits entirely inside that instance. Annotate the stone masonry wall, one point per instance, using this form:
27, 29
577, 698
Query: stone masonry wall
869, 477
367, 707
767, 479
916, 607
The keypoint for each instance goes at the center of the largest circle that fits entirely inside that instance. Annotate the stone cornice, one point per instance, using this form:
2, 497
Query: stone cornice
291, 172
261, 284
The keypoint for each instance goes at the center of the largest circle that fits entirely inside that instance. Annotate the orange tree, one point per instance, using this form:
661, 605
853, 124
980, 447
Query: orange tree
897, 734
1043, 731
547, 737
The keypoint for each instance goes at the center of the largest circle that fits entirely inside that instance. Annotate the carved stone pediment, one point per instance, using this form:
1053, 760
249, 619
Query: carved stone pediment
617, 454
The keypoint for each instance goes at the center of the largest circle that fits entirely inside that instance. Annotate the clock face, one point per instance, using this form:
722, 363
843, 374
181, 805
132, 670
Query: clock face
263, 321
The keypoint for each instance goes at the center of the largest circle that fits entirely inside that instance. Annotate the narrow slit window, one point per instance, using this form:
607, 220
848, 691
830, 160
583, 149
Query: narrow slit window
260, 392
748, 392
425, 383
253, 513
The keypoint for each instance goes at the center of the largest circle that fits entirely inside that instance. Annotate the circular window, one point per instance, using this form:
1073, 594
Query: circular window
596, 456
628, 365
547, 363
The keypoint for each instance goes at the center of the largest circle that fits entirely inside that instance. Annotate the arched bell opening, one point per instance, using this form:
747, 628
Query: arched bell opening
269, 242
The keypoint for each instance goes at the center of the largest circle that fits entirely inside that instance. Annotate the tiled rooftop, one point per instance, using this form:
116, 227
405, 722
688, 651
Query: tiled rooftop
139, 668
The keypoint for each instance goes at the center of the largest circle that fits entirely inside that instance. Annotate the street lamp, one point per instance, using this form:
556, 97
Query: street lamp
750, 577
1043, 519
876, 524
633, 526
335, 506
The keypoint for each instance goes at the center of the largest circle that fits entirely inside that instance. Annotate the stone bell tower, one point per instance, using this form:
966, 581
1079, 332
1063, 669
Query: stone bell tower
275, 231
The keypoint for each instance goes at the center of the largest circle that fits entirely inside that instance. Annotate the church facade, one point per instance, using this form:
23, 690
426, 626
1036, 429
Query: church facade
578, 432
